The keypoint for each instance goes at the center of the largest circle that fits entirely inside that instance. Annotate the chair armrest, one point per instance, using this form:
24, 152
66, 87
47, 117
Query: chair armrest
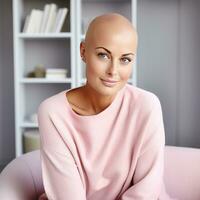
181, 172
21, 179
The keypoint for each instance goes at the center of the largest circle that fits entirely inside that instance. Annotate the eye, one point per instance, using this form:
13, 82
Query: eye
102, 55
126, 60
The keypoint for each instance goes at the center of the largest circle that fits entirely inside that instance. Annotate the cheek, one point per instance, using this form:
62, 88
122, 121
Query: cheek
125, 73
94, 66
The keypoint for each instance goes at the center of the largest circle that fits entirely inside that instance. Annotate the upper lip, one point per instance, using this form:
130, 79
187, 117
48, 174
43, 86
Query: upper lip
109, 80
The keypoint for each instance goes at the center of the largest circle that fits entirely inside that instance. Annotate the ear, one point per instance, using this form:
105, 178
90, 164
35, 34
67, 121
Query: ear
82, 50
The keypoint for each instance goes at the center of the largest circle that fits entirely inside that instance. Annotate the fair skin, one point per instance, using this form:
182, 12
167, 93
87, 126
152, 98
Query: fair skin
108, 51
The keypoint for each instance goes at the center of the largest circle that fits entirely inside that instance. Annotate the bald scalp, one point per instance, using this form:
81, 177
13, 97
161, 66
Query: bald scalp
111, 22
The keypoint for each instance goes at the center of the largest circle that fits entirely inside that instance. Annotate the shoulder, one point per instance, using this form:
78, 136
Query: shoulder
51, 104
140, 98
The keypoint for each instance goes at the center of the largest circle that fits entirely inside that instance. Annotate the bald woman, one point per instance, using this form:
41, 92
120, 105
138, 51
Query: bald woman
104, 140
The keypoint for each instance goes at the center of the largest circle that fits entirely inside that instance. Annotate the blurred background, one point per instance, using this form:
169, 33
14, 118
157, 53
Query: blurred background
39, 57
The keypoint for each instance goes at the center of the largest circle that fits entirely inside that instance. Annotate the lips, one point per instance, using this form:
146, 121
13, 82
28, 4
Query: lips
109, 83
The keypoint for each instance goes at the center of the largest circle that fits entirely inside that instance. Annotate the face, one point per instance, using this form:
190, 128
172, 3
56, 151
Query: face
109, 59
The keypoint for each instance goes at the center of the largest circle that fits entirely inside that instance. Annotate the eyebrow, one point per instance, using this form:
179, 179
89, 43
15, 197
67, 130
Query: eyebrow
126, 54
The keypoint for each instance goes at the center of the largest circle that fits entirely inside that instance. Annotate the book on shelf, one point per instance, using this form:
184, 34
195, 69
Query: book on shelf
32, 22
26, 23
60, 18
45, 17
49, 20
56, 73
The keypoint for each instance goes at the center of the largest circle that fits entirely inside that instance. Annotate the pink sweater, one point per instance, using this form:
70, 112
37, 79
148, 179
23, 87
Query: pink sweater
117, 154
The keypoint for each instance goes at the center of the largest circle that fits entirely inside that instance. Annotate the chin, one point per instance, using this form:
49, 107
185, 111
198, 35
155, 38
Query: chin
106, 89
110, 91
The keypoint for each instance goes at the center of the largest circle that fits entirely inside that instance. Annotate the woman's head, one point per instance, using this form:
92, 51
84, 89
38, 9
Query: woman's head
109, 52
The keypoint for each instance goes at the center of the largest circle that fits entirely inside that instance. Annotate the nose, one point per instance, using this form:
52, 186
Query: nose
112, 69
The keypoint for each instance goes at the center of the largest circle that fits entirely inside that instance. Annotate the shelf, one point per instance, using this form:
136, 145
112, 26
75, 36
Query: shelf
44, 35
45, 80
130, 80
27, 124
82, 36
83, 80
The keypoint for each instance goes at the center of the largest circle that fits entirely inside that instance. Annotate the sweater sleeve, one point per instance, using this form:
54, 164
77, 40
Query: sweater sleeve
148, 175
60, 174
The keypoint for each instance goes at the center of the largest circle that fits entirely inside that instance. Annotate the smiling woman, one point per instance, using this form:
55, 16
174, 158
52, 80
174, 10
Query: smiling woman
106, 62
105, 139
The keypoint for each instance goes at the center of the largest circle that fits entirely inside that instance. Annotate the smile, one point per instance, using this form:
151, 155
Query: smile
109, 83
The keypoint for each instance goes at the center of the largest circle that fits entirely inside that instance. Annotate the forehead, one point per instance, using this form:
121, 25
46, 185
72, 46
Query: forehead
122, 41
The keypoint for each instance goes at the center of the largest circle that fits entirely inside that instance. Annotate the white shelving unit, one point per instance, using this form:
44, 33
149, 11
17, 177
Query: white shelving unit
53, 50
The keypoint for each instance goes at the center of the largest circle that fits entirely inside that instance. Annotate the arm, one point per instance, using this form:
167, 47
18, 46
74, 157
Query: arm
60, 174
148, 175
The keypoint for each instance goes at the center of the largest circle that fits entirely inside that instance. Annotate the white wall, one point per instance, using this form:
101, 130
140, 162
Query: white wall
157, 56
189, 67
168, 64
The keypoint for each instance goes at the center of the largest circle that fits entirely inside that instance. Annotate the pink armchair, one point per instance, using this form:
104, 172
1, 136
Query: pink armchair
21, 179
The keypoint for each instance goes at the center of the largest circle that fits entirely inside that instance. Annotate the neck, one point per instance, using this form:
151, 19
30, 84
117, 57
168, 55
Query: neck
96, 101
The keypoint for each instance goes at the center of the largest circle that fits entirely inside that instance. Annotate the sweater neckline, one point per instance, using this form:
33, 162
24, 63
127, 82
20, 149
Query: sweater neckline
98, 115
